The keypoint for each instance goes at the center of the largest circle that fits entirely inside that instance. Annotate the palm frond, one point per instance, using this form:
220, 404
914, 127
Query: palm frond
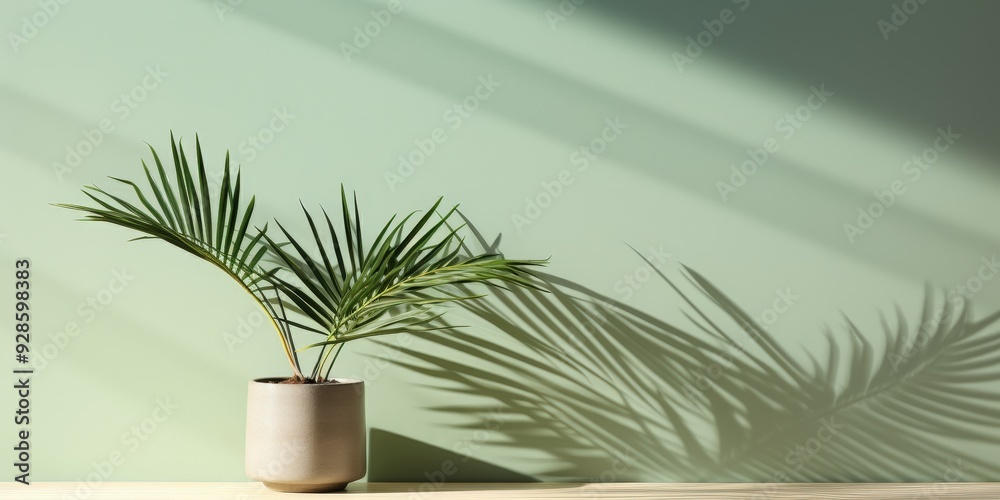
348, 292
393, 285
183, 217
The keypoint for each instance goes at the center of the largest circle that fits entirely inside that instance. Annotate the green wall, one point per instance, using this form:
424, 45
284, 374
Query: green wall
304, 104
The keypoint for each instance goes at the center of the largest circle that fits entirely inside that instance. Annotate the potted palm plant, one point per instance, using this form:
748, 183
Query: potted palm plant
306, 431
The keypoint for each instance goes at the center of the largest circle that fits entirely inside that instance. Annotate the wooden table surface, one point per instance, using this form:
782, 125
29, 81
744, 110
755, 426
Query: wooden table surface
474, 491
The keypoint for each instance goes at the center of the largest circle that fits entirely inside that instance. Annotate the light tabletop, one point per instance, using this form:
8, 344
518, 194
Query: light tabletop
472, 491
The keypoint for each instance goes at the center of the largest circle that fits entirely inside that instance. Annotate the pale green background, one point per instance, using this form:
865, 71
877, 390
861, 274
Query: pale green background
163, 336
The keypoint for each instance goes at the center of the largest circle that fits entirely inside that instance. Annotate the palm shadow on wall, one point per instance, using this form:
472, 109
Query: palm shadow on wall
609, 392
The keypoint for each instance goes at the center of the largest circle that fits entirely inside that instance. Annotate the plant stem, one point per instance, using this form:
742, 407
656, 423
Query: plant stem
334, 360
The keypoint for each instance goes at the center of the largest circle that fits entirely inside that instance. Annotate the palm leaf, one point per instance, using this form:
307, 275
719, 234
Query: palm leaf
182, 216
389, 287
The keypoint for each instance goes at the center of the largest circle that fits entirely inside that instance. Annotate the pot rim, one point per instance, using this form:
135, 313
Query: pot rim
340, 381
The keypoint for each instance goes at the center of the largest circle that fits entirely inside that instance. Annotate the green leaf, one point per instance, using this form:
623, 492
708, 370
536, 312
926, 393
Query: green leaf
183, 218
409, 267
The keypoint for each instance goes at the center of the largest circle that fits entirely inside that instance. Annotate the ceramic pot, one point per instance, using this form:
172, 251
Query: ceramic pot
306, 437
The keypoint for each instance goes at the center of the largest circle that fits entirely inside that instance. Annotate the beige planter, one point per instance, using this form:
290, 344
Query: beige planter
306, 437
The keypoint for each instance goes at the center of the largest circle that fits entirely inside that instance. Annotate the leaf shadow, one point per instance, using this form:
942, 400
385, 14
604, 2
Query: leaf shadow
611, 393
